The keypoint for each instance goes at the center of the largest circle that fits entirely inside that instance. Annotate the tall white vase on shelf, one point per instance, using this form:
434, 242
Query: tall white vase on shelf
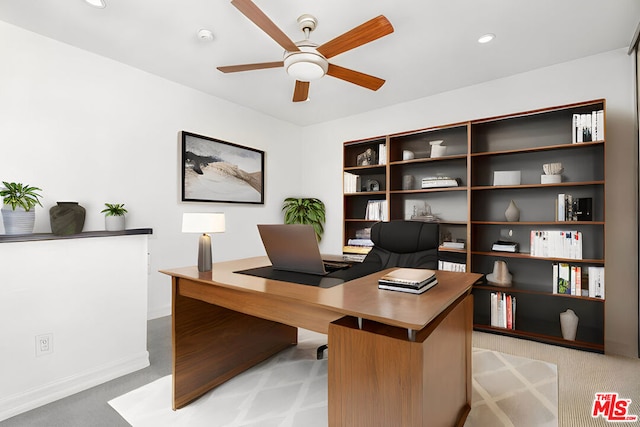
569, 324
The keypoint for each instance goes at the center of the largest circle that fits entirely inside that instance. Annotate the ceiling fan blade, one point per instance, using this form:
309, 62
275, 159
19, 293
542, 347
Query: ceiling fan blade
355, 77
301, 91
249, 67
257, 16
362, 34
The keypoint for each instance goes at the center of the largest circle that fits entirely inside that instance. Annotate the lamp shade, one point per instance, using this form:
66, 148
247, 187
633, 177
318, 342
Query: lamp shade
203, 222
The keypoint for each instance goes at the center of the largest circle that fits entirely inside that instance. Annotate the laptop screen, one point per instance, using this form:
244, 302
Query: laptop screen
292, 247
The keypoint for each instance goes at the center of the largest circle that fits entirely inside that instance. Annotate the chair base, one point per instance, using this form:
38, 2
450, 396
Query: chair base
320, 351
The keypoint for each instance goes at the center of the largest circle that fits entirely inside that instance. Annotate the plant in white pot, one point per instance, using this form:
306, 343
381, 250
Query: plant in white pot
114, 219
18, 207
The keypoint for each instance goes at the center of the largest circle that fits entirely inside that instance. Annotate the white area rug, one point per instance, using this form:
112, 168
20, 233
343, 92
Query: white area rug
290, 390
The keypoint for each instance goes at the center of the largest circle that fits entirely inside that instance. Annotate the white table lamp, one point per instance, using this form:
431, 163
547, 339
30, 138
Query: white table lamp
203, 223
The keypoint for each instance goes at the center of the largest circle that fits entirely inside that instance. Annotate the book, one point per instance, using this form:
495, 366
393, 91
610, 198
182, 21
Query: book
453, 245
596, 281
409, 290
556, 244
451, 266
505, 246
588, 127
408, 277
502, 310
441, 181
351, 183
376, 210
564, 278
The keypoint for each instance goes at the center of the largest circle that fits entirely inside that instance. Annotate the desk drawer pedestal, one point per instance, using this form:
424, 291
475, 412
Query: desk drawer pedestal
378, 377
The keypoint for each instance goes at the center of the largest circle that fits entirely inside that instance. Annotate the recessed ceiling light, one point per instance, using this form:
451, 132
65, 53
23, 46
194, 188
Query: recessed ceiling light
97, 3
205, 35
486, 38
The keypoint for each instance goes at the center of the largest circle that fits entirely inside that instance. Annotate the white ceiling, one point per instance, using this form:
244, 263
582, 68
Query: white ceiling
433, 48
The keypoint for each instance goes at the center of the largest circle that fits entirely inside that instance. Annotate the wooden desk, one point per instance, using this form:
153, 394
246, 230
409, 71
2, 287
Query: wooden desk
394, 358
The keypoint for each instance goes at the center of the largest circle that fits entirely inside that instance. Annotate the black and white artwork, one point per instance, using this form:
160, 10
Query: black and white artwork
219, 171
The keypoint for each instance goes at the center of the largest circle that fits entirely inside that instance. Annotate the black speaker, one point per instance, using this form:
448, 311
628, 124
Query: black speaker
582, 209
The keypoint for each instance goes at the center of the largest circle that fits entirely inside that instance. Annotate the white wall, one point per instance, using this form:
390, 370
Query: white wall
609, 75
89, 129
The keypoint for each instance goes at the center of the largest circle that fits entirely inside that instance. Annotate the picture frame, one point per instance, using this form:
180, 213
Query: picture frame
214, 170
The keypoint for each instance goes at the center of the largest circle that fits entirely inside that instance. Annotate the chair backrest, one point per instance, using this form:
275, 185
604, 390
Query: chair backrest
410, 244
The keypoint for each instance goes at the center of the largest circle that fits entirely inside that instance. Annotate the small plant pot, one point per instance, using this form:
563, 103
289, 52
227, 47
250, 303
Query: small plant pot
18, 221
114, 223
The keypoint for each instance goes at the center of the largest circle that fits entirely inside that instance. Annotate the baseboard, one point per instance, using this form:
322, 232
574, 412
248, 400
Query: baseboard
36, 397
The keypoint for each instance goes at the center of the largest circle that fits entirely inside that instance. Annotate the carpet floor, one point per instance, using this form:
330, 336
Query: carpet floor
290, 390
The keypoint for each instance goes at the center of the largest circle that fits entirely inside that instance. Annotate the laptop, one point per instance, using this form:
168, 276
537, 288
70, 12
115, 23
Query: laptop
294, 247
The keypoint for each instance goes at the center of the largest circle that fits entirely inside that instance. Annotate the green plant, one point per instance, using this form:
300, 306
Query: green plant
16, 194
114, 209
305, 211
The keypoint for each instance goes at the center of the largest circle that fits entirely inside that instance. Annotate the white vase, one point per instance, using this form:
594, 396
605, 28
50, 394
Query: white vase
569, 324
512, 213
18, 221
114, 223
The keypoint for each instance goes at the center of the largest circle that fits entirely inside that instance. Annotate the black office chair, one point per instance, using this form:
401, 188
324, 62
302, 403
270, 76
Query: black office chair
410, 244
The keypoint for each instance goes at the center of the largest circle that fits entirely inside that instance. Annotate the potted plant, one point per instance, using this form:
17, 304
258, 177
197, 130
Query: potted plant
114, 219
18, 207
298, 210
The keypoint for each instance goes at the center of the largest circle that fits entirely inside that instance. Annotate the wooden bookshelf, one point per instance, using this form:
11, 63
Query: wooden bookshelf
474, 210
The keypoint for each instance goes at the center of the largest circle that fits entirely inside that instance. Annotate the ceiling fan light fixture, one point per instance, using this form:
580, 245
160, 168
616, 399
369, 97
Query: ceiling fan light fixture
305, 66
100, 4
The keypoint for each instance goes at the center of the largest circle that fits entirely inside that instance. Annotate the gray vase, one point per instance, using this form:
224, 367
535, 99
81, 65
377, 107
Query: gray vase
18, 221
66, 218
512, 213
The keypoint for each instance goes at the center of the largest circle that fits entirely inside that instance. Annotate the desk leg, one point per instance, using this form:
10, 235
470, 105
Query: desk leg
212, 344
378, 377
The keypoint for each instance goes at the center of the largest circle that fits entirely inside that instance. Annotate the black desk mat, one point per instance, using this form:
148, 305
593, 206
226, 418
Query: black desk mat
269, 272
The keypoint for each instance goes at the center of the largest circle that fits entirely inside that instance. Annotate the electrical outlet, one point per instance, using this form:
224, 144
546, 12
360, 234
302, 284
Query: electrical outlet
44, 344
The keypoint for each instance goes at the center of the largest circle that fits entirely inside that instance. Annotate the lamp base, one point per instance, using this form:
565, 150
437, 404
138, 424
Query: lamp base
204, 253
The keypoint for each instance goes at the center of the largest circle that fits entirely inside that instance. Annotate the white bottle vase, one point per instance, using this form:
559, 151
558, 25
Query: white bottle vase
512, 213
569, 324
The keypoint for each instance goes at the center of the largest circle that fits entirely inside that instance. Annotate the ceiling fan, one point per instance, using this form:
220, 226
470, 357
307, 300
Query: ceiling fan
305, 60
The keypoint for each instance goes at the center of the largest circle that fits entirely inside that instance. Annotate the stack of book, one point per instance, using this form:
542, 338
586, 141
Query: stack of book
439, 181
452, 245
351, 183
376, 210
588, 127
503, 310
411, 280
505, 246
569, 208
556, 244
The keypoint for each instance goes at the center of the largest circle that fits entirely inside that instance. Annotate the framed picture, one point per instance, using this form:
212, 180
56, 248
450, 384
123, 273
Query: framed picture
220, 171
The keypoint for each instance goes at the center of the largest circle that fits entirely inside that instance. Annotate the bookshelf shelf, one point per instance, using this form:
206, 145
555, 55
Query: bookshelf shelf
525, 186
580, 146
528, 256
474, 211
